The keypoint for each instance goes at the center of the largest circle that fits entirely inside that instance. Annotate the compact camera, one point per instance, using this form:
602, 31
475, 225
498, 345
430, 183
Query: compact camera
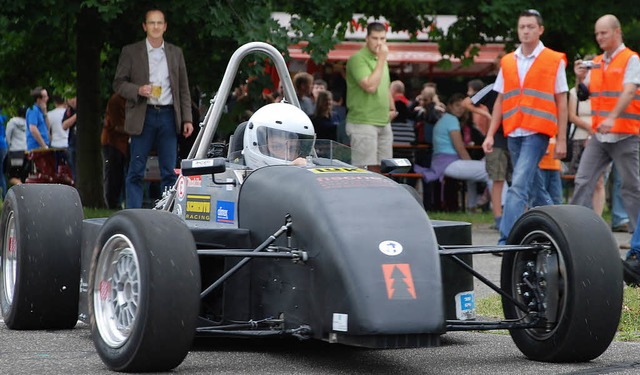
587, 64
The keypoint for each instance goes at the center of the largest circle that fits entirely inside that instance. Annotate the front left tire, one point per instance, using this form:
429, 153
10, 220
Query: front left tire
144, 291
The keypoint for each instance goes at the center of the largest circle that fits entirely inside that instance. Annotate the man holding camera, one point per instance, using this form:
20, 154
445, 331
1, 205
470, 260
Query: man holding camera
613, 79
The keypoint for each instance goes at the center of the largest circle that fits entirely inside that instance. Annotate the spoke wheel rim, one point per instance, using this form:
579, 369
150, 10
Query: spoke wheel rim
116, 291
9, 259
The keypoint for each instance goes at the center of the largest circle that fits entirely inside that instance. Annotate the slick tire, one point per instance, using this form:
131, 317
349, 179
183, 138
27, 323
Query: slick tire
40, 262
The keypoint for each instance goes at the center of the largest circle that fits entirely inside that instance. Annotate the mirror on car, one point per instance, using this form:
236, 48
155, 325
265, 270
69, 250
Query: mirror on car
397, 165
198, 167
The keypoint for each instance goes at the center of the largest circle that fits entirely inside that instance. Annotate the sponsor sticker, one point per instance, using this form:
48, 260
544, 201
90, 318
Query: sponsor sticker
194, 181
399, 281
181, 188
198, 207
390, 248
225, 212
202, 163
340, 322
354, 181
338, 170
465, 305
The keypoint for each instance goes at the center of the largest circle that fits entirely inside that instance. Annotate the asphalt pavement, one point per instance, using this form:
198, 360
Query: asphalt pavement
71, 352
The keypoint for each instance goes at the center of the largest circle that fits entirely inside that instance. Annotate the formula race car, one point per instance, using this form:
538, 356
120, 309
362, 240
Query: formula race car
276, 234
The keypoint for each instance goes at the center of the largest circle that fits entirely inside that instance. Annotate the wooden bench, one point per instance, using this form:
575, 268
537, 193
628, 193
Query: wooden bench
454, 191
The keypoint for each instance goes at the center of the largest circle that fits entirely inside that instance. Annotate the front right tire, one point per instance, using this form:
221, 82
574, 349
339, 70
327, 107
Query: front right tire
575, 284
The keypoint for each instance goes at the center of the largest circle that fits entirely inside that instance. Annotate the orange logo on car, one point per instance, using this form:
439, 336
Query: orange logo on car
399, 281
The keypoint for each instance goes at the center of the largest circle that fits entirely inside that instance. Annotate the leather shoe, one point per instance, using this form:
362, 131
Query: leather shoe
622, 228
631, 268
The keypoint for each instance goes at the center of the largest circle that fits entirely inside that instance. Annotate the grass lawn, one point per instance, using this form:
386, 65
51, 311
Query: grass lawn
628, 329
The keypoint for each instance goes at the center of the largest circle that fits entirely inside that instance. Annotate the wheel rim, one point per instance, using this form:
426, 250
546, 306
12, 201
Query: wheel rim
546, 271
116, 291
9, 259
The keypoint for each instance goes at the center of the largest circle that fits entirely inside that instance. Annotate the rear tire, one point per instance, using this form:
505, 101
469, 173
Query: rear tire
144, 291
578, 279
40, 263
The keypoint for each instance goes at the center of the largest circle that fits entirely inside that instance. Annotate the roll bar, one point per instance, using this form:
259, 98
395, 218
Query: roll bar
201, 145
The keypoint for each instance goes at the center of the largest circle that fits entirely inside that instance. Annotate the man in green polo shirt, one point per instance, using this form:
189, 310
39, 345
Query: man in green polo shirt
369, 104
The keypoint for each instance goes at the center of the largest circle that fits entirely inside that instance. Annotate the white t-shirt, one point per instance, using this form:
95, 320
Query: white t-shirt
59, 136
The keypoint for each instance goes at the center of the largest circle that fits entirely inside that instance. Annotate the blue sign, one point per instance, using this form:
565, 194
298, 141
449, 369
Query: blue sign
225, 212
467, 302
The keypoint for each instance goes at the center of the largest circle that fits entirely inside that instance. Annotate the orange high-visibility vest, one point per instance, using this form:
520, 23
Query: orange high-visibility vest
606, 87
532, 106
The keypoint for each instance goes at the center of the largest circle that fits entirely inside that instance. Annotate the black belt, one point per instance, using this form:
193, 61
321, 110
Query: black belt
158, 107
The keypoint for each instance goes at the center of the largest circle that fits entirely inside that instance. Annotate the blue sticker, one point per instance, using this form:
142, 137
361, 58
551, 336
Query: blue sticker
225, 212
467, 302
465, 305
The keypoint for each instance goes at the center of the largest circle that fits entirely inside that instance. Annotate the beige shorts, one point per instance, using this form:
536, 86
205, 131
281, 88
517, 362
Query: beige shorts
370, 143
498, 164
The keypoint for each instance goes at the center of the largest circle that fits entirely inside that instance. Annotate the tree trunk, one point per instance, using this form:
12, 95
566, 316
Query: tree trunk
89, 157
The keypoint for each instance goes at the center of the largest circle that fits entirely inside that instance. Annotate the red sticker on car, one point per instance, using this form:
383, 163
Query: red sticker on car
399, 281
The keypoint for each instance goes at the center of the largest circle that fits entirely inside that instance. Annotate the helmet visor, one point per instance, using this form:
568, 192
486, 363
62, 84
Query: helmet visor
282, 144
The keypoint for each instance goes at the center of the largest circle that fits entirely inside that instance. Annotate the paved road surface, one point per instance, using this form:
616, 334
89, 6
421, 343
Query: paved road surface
72, 352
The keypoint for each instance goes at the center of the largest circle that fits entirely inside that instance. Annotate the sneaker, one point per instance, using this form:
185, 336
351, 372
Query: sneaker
622, 228
625, 245
631, 268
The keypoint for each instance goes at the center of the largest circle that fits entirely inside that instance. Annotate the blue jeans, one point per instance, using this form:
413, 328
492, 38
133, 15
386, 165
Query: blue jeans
635, 241
526, 153
71, 160
552, 189
3, 181
618, 213
160, 131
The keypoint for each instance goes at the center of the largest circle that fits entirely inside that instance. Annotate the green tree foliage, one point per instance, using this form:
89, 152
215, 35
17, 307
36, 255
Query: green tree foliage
73, 45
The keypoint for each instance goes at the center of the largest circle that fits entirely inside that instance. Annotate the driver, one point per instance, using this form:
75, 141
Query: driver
278, 133
283, 145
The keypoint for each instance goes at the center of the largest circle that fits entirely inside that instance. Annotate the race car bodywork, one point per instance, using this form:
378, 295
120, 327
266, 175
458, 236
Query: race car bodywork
325, 251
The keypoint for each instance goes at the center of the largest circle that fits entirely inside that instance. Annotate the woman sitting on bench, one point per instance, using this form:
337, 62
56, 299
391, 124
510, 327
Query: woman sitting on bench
451, 158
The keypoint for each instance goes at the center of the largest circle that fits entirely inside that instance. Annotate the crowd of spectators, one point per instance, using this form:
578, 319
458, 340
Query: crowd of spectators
506, 151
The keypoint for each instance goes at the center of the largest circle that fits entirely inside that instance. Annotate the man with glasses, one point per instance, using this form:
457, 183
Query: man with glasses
532, 107
152, 77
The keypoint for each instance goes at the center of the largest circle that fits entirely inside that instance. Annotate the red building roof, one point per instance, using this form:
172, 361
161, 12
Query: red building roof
420, 58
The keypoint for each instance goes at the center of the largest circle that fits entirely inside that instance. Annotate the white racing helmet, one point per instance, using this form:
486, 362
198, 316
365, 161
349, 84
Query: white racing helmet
277, 133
